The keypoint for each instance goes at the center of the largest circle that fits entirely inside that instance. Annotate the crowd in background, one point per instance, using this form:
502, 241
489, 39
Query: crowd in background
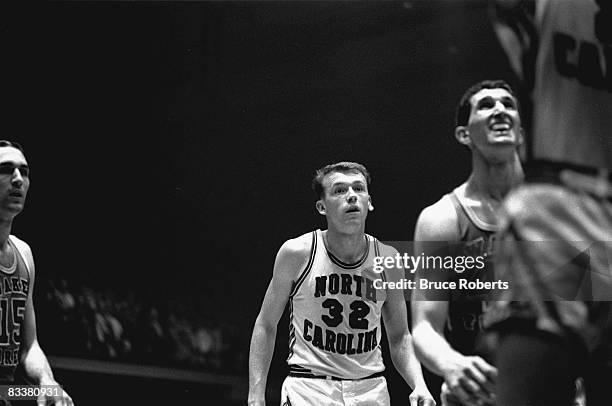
150, 326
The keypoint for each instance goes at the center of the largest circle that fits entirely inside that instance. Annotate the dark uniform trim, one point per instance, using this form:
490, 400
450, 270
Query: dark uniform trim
296, 287
377, 253
306, 271
345, 265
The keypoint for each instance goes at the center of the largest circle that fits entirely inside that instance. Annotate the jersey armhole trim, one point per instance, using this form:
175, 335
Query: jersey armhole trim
306, 271
377, 253
21, 253
471, 214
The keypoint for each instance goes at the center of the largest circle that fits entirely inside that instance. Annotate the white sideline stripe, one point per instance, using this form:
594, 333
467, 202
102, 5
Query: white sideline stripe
117, 368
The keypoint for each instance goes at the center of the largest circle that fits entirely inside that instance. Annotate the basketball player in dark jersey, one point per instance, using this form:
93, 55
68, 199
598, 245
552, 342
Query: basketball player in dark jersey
556, 230
336, 302
447, 322
18, 343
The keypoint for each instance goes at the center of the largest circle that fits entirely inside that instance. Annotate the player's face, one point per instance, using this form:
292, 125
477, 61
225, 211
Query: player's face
14, 180
494, 120
346, 201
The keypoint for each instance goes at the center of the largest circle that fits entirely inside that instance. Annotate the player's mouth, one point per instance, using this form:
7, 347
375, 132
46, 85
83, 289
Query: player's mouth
501, 127
501, 123
16, 193
352, 209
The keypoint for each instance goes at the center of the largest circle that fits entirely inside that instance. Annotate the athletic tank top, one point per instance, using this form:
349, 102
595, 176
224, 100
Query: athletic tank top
466, 307
14, 288
335, 313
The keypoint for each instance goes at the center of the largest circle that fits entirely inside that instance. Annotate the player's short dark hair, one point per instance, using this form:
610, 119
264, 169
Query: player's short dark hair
16, 145
317, 180
464, 107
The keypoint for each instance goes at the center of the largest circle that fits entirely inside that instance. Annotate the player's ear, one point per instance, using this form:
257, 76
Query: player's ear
463, 135
320, 207
370, 205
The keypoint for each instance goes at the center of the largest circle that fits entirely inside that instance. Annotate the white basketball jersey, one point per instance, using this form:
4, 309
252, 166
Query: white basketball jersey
573, 85
572, 77
335, 313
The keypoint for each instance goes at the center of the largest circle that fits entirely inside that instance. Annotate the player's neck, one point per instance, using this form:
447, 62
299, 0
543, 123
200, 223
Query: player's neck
348, 248
4, 249
4, 243
494, 180
5, 230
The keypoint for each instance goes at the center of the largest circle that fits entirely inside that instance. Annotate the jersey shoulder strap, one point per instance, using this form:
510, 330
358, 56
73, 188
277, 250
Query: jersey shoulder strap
25, 253
467, 214
302, 276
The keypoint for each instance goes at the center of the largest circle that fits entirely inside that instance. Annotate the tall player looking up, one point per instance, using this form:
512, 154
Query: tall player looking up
446, 327
335, 312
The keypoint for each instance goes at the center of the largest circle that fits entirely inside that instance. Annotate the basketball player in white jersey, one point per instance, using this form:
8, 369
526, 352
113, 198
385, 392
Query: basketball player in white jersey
336, 302
447, 323
557, 321
18, 343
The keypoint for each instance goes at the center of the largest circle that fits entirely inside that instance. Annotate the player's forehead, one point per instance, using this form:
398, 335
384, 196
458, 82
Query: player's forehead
497, 93
12, 155
348, 177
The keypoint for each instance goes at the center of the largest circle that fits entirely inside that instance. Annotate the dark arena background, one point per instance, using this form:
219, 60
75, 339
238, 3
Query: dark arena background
172, 146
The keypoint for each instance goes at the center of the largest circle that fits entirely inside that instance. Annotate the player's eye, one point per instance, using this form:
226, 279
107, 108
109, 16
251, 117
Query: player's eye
358, 188
510, 104
340, 190
486, 104
9, 170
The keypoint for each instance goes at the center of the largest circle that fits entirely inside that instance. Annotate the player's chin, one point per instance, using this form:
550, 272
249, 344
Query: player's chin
14, 208
355, 220
502, 148
353, 225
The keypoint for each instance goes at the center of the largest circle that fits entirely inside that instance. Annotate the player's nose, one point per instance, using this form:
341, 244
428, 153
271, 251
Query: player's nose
17, 179
499, 106
351, 196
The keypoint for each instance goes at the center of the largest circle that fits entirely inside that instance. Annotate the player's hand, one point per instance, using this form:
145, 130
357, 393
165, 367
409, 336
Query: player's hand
471, 380
63, 399
420, 396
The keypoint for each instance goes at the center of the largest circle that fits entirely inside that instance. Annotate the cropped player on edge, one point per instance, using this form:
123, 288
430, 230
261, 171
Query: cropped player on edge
335, 312
19, 343
556, 323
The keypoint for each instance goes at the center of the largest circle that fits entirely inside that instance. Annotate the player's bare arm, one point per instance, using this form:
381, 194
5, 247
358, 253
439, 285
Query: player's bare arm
290, 260
33, 358
401, 347
466, 377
